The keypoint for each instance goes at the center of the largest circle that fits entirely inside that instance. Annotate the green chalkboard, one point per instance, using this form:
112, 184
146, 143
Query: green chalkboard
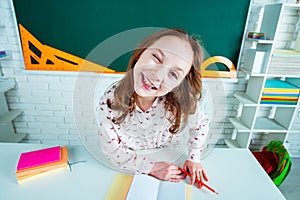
78, 27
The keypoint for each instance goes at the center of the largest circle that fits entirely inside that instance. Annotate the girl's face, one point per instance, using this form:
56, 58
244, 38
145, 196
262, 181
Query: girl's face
162, 66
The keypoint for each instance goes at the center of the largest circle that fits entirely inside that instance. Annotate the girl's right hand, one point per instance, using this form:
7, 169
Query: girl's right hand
166, 171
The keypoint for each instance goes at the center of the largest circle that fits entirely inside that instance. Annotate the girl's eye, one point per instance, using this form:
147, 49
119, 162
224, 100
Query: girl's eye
156, 58
174, 74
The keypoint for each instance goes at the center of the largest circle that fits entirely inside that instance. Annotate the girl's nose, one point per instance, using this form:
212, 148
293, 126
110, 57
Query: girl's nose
159, 76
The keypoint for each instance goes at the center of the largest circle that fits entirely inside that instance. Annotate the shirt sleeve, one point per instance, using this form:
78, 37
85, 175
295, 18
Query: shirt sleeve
114, 148
198, 131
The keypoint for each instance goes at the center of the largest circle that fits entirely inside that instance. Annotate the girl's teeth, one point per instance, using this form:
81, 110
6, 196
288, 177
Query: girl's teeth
149, 84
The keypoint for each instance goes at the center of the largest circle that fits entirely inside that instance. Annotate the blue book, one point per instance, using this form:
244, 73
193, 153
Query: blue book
278, 84
281, 94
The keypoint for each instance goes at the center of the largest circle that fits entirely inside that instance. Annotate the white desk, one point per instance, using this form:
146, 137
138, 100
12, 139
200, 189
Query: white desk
234, 173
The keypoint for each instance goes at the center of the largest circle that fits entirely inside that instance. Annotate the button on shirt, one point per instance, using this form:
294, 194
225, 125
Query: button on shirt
144, 130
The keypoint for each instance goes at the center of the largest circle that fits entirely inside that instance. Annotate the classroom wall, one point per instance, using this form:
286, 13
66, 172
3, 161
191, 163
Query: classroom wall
47, 99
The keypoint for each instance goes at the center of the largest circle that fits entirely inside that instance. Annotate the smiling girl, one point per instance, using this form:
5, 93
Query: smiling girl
151, 105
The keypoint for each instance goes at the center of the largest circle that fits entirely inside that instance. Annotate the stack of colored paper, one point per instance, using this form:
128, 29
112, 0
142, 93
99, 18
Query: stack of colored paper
3, 54
285, 62
279, 92
256, 35
37, 163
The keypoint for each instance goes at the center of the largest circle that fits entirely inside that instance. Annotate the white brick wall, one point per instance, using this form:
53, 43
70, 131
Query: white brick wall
48, 99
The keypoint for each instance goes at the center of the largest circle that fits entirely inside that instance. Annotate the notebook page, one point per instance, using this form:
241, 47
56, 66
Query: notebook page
143, 187
171, 190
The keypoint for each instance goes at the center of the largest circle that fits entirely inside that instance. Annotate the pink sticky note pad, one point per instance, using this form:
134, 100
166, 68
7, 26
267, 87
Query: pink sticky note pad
39, 157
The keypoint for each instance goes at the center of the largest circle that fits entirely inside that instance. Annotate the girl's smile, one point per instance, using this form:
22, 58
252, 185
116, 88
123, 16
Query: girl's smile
147, 84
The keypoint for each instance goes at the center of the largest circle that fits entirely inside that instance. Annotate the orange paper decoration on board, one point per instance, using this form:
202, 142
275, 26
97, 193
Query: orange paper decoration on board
38, 56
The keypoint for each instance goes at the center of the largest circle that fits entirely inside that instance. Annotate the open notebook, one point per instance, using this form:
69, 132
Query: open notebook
148, 188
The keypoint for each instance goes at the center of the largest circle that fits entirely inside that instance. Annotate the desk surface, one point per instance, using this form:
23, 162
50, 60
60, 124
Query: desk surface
234, 173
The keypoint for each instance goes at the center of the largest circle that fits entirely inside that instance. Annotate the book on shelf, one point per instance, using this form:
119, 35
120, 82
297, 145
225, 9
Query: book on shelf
285, 60
279, 92
277, 103
280, 85
286, 53
147, 188
31, 165
285, 65
3, 54
279, 98
256, 35
284, 68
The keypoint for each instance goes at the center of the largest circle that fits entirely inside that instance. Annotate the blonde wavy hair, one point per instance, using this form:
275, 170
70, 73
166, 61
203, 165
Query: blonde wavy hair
180, 102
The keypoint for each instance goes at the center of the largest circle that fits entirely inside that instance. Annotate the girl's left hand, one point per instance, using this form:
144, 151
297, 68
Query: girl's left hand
196, 170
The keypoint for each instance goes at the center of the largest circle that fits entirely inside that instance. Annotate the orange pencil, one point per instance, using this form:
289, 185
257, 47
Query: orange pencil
200, 183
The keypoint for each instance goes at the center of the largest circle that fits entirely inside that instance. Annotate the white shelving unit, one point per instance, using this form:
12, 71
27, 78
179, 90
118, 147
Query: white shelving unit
6, 116
267, 121
7, 132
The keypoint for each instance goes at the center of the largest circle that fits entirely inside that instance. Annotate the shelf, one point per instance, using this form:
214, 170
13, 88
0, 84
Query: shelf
9, 116
14, 137
263, 124
232, 143
6, 84
260, 41
243, 69
294, 131
239, 125
243, 98
272, 73
277, 105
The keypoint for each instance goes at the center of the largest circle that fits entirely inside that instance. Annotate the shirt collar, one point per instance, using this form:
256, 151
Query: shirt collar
157, 101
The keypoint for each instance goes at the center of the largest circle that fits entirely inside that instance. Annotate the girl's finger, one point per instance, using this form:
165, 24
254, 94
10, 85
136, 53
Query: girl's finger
199, 176
176, 180
193, 177
204, 175
178, 177
177, 171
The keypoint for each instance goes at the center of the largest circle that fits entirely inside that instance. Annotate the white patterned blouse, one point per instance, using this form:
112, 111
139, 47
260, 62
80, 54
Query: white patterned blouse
145, 130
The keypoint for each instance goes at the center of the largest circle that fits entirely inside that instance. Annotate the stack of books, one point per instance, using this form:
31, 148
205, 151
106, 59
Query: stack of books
256, 35
34, 164
3, 54
285, 61
279, 92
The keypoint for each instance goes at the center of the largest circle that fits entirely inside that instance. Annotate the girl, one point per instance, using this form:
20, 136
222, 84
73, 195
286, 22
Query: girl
152, 104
